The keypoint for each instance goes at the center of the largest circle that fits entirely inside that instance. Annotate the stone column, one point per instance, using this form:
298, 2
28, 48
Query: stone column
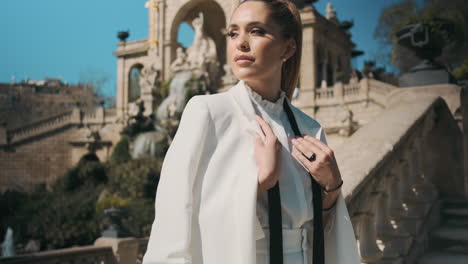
308, 73
121, 78
364, 89
338, 92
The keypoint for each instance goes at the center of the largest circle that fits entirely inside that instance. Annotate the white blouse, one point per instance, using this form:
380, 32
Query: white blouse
294, 181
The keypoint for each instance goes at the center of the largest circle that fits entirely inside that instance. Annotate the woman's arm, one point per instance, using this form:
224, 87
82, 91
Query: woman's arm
171, 235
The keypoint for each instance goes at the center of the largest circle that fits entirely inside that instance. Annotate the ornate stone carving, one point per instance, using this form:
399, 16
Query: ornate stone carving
180, 63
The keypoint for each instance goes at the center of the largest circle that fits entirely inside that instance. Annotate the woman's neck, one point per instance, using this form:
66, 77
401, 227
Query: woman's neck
268, 89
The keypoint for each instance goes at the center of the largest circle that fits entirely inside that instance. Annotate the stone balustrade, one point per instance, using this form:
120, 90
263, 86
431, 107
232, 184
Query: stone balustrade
82, 255
75, 117
39, 127
104, 251
395, 170
365, 90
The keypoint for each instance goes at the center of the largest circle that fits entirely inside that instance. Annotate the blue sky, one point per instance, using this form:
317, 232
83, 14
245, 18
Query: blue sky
75, 39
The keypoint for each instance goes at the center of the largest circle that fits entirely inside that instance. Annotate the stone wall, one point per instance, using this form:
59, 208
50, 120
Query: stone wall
41, 160
43, 152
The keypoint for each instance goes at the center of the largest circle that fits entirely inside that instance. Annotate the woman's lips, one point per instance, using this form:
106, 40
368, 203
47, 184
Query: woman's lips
244, 60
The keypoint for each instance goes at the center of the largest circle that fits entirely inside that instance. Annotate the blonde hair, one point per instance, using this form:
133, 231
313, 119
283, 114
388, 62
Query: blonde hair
285, 14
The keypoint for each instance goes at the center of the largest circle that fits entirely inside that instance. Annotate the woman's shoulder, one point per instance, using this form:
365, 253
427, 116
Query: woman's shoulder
216, 103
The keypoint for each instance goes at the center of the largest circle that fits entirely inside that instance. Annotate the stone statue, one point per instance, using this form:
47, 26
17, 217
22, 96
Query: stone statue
202, 58
148, 76
180, 63
331, 12
346, 118
8, 245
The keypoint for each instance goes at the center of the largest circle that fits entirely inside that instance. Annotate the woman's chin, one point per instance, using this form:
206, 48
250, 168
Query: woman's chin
246, 74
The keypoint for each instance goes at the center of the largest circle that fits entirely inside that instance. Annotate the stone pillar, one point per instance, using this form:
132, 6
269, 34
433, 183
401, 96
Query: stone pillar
338, 92
100, 115
76, 116
121, 79
308, 61
125, 249
464, 108
364, 89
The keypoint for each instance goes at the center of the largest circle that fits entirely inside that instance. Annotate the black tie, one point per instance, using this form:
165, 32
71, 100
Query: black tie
274, 213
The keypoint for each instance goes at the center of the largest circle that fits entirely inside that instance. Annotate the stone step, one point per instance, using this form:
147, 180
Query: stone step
458, 212
443, 257
455, 203
451, 233
456, 222
448, 236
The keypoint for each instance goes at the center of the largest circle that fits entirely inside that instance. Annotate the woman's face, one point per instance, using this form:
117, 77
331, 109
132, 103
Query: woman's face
255, 46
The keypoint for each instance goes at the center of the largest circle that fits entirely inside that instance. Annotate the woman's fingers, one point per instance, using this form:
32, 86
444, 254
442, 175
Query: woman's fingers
307, 148
258, 139
317, 143
264, 126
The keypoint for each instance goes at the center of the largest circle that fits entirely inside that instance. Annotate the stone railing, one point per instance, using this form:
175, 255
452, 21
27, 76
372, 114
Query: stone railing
40, 127
82, 255
75, 117
395, 170
364, 90
104, 251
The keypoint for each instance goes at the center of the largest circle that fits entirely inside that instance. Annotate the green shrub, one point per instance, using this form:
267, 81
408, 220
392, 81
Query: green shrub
121, 151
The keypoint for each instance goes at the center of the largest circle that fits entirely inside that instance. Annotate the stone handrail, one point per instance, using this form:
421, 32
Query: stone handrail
391, 168
82, 255
75, 117
40, 127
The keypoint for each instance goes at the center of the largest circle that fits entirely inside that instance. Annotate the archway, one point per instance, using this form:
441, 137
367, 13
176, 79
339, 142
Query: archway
215, 22
134, 89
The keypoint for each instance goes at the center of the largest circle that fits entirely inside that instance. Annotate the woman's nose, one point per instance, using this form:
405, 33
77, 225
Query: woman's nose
242, 42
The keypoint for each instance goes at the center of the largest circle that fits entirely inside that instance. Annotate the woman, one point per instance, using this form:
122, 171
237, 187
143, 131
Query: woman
232, 149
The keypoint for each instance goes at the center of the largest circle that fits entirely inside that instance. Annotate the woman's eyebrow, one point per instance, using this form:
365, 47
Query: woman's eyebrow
248, 24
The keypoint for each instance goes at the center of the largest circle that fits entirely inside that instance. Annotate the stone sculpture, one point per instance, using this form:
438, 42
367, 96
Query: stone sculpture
180, 63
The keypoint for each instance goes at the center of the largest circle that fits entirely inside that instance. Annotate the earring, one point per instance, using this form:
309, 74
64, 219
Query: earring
284, 59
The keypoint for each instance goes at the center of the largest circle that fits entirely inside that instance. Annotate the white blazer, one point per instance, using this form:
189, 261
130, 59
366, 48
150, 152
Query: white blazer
207, 193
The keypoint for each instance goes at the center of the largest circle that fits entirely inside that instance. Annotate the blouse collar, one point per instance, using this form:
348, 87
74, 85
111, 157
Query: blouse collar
270, 107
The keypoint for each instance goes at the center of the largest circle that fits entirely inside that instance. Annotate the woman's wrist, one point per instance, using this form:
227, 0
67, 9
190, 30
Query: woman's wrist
333, 187
330, 199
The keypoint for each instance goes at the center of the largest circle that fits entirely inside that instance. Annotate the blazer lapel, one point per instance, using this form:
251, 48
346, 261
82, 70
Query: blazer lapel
246, 112
243, 103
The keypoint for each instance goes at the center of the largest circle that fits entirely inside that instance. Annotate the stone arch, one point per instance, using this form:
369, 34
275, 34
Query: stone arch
89, 157
215, 21
134, 89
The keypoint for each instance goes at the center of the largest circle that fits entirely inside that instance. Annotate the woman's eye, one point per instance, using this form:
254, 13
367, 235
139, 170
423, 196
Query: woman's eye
231, 34
257, 31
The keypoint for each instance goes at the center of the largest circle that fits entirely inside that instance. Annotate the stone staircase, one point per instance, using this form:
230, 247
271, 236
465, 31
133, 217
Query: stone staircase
448, 243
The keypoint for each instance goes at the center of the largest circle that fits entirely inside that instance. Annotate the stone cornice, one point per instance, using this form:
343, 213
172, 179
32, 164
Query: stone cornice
131, 48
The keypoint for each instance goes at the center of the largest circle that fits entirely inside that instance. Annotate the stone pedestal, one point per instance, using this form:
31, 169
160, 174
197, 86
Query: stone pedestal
125, 249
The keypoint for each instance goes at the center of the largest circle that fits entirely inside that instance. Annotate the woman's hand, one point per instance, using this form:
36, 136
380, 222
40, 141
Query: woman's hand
324, 168
267, 156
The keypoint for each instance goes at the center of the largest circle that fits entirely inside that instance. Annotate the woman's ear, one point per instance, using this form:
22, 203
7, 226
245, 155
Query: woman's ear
290, 48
